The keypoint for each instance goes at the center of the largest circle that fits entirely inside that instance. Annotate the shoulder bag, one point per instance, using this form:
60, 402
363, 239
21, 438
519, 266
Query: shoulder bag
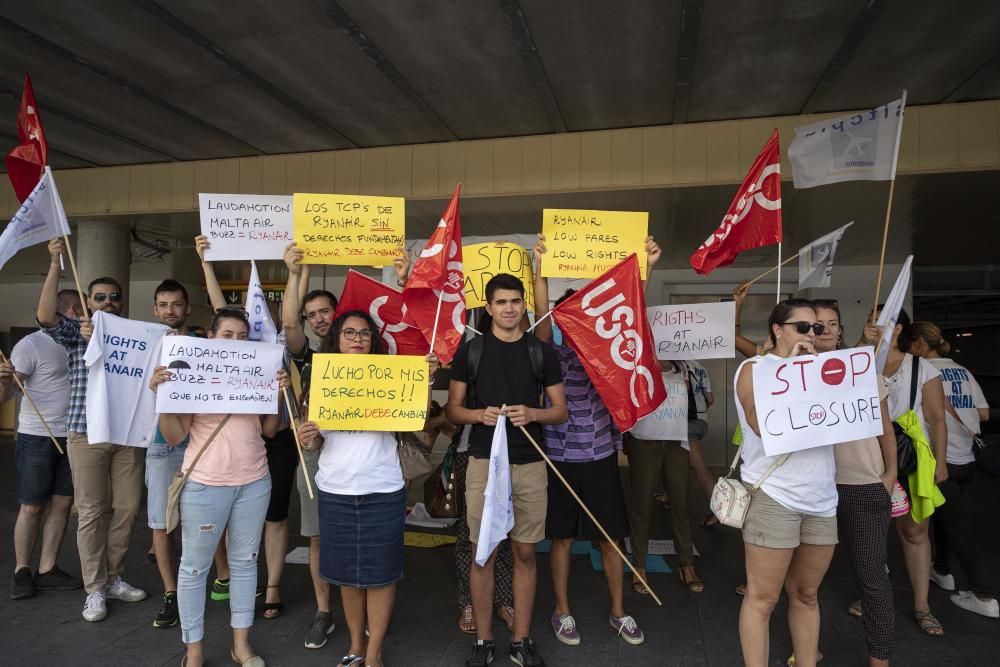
180, 478
906, 455
986, 448
731, 497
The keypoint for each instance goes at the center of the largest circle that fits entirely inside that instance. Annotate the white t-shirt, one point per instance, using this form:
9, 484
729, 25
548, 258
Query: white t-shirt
965, 395
804, 483
899, 388
356, 463
121, 356
670, 420
701, 384
43, 363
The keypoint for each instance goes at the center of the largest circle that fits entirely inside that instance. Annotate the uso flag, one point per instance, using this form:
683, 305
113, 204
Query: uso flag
386, 307
753, 219
605, 324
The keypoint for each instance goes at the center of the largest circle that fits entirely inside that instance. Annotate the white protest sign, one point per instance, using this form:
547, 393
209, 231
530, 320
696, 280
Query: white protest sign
670, 420
694, 330
219, 376
245, 226
814, 400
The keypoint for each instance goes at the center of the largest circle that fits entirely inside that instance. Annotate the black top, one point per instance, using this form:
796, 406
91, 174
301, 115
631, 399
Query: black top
505, 376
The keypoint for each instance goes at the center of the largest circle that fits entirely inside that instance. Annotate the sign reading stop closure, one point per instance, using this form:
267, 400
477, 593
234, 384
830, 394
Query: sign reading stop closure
816, 400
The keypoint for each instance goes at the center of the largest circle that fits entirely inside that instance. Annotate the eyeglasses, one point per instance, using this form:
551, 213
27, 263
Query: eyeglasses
101, 297
804, 327
354, 334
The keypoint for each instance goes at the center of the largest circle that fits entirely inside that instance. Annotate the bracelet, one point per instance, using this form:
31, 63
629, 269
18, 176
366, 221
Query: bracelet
400, 283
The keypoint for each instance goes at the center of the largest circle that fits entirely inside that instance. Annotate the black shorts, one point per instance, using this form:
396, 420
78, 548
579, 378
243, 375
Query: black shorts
599, 486
282, 460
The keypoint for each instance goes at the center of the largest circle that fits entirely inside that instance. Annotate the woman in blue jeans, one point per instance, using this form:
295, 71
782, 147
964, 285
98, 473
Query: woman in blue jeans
228, 489
362, 506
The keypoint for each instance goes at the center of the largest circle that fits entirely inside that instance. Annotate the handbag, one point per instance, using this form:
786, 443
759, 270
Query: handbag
441, 497
412, 457
906, 455
731, 497
180, 478
986, 448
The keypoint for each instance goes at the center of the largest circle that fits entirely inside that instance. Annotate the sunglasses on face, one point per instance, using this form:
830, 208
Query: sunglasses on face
804, 327
101, 297
354, 334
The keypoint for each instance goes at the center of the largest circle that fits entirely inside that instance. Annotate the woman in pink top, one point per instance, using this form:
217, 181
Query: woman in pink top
229, 490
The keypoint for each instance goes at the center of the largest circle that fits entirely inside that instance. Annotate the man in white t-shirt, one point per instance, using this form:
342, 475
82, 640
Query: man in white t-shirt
43, 474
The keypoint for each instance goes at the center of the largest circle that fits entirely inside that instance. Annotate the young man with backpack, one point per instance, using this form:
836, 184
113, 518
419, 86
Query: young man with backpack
506, 371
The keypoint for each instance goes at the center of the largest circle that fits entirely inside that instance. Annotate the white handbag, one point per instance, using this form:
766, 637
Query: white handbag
731, 497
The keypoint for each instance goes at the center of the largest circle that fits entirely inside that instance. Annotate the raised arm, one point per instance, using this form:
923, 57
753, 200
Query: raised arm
401, 265
48, 313
653, 253
215, 295
543, 328
746, 347
291, 304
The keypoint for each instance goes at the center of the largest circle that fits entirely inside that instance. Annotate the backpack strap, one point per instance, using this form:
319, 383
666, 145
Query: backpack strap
536, 355
472, 370
913, 381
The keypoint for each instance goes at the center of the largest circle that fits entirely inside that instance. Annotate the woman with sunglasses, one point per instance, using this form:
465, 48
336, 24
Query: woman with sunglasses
228, 490
362, 506
791, 527
866, 478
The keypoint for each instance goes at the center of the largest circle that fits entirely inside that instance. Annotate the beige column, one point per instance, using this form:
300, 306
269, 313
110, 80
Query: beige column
102, 249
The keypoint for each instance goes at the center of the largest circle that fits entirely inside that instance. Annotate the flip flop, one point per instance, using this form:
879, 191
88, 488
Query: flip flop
466, 622
855, 609
690, 579
928, 625
662, 499
637, 587
506, 615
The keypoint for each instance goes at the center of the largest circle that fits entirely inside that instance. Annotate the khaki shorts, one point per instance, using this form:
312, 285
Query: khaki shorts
529, 483
770, 524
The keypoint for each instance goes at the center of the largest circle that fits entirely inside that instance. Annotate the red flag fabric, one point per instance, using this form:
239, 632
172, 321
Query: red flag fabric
436, 275
27, 161
753, 219
605, 324
386, 307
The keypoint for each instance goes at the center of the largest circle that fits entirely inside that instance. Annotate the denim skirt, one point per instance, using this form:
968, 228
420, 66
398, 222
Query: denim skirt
361, 538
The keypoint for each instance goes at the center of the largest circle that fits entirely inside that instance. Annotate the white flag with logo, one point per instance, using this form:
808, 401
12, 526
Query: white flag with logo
498, 508
890, 313
40, 219
259, 316
859, 147
816, 259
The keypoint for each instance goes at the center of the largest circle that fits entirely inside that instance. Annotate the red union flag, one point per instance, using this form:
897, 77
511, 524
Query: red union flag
386, 307
753, 219
28, 159
605, 324
437, 283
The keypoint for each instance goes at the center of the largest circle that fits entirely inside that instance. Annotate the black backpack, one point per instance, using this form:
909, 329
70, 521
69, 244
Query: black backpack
536, 355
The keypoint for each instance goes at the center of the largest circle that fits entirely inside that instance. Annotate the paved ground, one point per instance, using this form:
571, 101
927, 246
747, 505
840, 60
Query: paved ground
689, 629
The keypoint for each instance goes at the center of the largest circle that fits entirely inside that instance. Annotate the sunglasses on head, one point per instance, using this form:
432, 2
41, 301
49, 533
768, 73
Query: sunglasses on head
804, 327
101, 297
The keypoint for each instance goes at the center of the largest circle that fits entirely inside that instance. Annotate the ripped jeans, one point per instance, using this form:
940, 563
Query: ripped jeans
206, 512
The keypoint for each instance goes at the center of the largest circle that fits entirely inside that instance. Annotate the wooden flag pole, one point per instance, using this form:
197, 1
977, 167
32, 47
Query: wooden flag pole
69, 249
885, 239
587, 511
777, 296
772, 269
34, 407
298, 443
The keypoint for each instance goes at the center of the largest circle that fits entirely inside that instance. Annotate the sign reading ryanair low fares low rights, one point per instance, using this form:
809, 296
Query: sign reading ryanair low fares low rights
585, 244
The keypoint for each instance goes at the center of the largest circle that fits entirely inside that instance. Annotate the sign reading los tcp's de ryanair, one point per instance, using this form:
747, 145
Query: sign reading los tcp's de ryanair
349, 230
813, 400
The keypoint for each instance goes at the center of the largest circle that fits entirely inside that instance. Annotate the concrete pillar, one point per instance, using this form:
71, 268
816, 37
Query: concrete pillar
102, 249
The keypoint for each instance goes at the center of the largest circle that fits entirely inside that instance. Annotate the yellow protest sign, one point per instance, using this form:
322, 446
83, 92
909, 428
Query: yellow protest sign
585, 244
350, 230
482, 261
427, 540
368, 392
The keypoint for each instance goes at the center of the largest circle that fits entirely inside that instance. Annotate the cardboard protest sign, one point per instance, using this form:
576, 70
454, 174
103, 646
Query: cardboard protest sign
368, 392
349, 230
585, 244
485, 260
694, 330
219, 376
670, 420
814, 400
245, 226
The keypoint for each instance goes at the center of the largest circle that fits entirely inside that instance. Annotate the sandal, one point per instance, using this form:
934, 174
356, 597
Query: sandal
638, 587
819, 658
711, 521
690, 579
928, 625
273, 609
741, 589
663, 500
466, 622
506, 614
855, 609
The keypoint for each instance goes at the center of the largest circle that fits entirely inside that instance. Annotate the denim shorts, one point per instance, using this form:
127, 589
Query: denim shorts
361, 538
162, 461
42, 472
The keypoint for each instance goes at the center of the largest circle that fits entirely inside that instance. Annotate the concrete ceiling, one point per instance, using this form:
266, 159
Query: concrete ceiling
145, 81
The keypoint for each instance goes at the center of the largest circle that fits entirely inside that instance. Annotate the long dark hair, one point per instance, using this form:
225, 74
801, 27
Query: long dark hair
331, 342
781, 313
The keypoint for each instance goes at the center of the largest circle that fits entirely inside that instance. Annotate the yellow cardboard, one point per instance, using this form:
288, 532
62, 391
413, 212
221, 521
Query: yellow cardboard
349, 230
585, 244
482, 261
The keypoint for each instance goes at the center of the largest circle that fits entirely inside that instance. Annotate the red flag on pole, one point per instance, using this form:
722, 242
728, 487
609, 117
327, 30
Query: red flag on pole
386, 307
753, 219
27, 161
605, 324
435, 292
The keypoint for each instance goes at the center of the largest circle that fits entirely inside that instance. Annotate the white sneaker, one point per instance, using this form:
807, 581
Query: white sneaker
944, 581
968, 601
120, 590
95, 609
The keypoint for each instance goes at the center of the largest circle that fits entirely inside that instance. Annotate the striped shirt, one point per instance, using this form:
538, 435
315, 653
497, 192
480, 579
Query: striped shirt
589, 434
67, 334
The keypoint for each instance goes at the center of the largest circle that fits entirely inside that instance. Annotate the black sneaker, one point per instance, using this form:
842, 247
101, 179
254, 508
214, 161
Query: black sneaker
481, 654
57, 580
167, 618
322, 626
525, 654
21, 584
